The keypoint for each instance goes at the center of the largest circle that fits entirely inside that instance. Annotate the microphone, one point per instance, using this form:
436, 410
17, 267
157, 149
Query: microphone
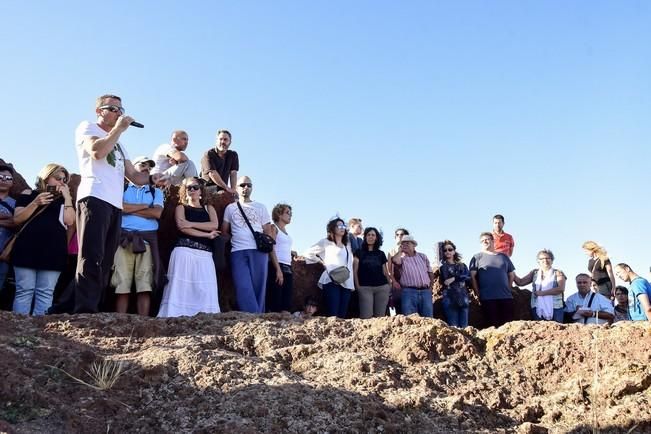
137, 124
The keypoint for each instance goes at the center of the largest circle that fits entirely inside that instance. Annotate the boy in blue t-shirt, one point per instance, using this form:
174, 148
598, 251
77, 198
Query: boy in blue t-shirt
639, 293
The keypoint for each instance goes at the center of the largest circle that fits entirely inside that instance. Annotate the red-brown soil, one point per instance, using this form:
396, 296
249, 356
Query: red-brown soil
240, 373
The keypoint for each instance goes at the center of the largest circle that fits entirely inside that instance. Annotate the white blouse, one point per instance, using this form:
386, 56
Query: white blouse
332, 256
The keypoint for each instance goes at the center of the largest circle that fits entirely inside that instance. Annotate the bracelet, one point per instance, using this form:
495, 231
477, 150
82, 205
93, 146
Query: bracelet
68, 206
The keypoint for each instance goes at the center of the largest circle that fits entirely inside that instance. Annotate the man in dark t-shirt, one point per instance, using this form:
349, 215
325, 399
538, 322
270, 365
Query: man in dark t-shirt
492, 276
219, 165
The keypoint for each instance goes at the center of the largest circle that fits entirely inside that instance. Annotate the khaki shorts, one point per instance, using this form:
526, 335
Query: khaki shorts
127, 266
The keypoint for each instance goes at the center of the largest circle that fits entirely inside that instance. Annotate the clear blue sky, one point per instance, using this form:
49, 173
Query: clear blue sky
429, 115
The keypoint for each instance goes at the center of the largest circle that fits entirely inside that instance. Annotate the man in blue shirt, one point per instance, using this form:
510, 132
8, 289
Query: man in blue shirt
137, 255
639, 293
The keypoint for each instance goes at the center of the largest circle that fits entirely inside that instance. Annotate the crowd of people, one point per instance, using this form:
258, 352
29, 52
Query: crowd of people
108, 238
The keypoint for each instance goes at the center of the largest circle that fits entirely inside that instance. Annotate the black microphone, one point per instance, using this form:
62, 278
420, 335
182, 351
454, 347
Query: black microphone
137, 124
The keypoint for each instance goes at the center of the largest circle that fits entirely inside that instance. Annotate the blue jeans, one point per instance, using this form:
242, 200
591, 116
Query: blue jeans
37, 285
418, 301
557, 315
336, 299
249, 269
456, 316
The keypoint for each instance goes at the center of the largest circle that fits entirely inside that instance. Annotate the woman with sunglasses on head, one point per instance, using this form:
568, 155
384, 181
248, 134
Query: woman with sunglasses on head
335, 254
454, 276
548, 285
192, 279
371, 275
600, 268
40, 251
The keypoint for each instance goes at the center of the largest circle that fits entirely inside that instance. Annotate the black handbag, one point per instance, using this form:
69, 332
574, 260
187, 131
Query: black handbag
263, 242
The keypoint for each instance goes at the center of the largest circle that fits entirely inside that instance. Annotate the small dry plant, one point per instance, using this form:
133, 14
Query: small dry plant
103, 373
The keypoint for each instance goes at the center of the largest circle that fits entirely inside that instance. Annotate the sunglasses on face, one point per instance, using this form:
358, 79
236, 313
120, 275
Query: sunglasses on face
341, 226
60, 178
245, 184
193, 187
6, 178
449, 249
400, 234
113, 108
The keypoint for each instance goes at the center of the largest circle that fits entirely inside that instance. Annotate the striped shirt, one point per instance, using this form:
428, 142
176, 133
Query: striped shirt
414, 271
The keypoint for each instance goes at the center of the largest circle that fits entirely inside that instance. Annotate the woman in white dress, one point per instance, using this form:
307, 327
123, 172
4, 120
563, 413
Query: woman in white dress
192, 280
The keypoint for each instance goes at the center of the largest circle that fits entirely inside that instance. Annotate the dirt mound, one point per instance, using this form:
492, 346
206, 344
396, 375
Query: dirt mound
239, 373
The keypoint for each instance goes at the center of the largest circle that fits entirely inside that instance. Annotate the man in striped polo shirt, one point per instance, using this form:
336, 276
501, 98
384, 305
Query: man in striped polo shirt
416, 278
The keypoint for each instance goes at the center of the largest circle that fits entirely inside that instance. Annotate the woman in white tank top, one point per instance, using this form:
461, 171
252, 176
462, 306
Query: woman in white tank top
280, 287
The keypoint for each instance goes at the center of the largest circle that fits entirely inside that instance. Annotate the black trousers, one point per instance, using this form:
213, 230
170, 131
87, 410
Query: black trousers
497, 312
98, 228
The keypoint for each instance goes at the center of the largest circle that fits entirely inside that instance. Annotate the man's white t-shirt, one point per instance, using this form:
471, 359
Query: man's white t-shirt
242, 238
161, 158
99, 178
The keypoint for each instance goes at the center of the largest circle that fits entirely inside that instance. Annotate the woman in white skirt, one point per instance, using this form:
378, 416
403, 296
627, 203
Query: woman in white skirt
192, 280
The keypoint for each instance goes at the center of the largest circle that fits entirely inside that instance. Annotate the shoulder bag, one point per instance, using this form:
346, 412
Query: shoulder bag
263, 242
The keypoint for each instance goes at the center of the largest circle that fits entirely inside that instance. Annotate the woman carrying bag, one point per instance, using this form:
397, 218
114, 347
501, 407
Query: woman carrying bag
337, 278
40, 251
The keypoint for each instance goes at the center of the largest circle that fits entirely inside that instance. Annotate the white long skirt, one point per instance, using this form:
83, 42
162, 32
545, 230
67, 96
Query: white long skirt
192, 284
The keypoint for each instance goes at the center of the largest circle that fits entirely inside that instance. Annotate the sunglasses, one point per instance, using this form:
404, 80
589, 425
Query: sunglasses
193, 187
60, 178
245, 184
341, 226
6, 178
113, 108
400, 234
448, 250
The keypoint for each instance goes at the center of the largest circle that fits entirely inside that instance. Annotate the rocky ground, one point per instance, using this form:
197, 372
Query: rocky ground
239, 373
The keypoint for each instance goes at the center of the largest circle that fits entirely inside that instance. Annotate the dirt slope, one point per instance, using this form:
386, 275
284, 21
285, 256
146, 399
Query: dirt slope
239, 373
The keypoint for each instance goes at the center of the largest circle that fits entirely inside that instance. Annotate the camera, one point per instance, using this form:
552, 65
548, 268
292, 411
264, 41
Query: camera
52, 189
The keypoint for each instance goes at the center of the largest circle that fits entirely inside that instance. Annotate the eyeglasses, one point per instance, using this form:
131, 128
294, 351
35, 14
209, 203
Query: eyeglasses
60, 178
545, 259
400, 234
341, 226
113, 108
450, 249
6, 178
193, 187
246, 184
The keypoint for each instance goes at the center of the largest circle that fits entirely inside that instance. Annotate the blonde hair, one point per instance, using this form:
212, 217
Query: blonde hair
597, 250
46, 172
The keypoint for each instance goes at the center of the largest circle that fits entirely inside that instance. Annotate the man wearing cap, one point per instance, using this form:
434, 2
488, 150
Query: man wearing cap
103, 165
137, 255
171, 160
416, 278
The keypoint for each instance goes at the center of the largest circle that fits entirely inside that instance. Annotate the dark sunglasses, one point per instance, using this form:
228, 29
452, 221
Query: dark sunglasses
113, 108
246, 184
60, 178
193, 187
448, 249
6, 178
